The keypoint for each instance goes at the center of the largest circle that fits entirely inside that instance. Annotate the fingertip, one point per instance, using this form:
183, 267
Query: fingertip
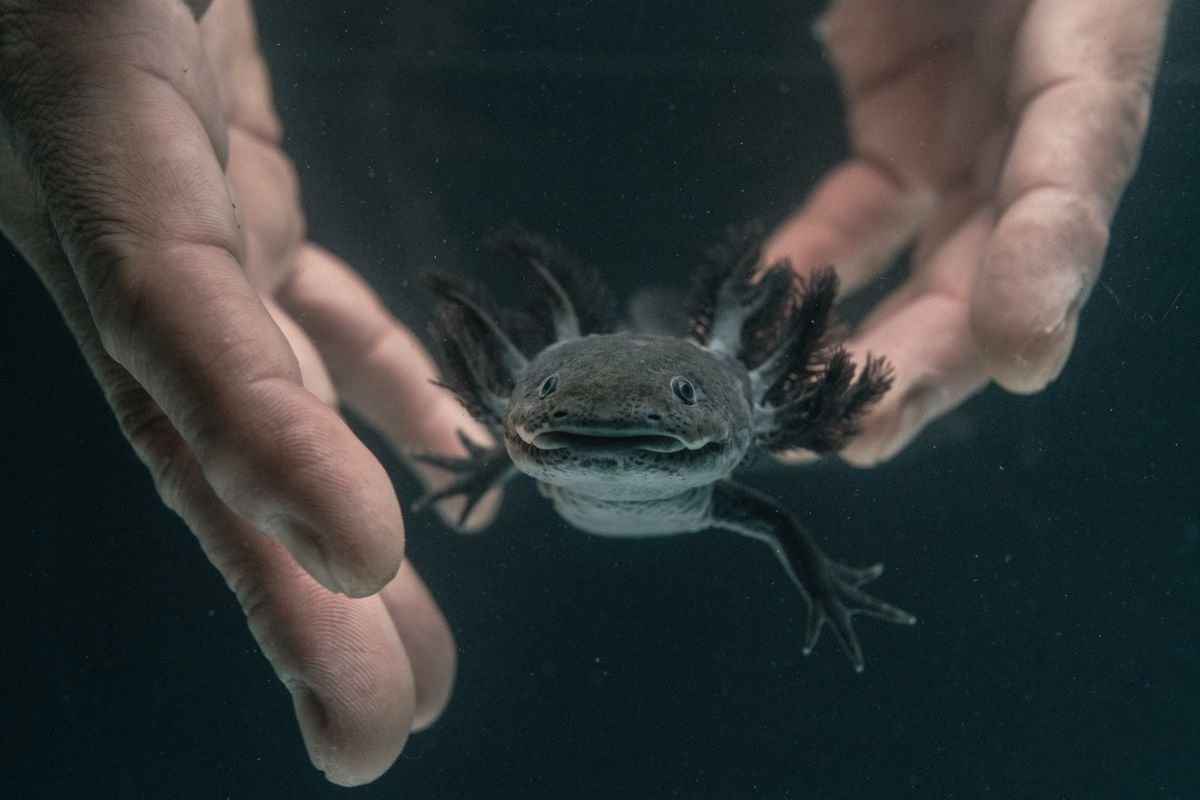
884, 434
856, 220
350, 679
428, 641
366, 554
935, 368
1025, 358
336, 746
913, 400
1038, 270
357, 565
365, 577
342, 660
805, 243
313, 718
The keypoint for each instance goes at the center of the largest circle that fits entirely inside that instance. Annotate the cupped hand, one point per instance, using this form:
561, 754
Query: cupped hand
996, 137
142, 178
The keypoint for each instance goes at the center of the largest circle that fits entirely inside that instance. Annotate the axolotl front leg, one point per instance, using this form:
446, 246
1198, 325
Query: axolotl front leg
831, 589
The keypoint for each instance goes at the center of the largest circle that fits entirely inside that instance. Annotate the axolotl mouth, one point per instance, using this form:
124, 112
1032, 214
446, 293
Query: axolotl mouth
598, 439
625, 462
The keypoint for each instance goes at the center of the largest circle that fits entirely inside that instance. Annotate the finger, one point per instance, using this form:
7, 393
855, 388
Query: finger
918, 103
1083, 96
231, 41
870, 43
313, 372
898, 79
857, 219
380, 368
342, 660
148, 229
427, 641
923, 330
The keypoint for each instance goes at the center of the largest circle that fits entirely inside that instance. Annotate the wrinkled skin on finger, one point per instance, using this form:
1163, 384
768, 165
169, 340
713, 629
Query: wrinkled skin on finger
996, 137
145, 185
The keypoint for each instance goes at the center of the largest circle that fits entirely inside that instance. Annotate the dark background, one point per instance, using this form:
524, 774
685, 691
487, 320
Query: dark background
1049, 545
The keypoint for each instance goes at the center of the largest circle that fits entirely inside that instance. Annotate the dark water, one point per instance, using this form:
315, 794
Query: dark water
1049, 545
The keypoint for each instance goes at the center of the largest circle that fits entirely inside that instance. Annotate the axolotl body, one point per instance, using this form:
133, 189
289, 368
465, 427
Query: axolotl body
632, 434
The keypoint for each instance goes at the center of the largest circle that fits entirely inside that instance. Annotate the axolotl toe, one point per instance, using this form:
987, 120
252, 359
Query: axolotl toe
634, 435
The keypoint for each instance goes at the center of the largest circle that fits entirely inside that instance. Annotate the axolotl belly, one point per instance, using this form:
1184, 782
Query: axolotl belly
633, 435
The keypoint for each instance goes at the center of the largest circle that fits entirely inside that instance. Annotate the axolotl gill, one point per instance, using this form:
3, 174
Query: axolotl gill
632, 434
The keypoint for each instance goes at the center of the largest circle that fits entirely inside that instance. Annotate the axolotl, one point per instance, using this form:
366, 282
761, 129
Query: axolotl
633, 434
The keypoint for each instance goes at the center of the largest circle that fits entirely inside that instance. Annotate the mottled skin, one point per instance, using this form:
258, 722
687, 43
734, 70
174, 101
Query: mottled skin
613, 430
633, 435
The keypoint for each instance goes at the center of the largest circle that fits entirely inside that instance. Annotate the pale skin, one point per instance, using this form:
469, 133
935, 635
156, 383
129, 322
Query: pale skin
997, 138
223, 339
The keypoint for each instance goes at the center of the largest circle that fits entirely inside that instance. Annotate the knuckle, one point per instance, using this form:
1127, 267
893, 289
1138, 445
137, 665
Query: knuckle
117, 266
238, 567
104, 257
1119, 117
156, 442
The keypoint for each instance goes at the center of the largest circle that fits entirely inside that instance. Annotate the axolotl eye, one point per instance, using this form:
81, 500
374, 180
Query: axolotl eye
683, 389
548, 386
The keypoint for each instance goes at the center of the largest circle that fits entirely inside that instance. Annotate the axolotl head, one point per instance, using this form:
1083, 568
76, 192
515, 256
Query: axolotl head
629, 417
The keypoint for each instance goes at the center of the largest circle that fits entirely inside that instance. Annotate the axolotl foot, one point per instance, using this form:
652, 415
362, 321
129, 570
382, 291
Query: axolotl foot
832, 590
482, 469
834, 597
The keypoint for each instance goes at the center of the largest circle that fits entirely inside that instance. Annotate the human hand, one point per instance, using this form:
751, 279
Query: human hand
218, 335
999, 136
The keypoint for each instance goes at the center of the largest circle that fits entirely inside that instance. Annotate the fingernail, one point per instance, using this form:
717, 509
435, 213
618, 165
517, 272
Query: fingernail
305, 546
